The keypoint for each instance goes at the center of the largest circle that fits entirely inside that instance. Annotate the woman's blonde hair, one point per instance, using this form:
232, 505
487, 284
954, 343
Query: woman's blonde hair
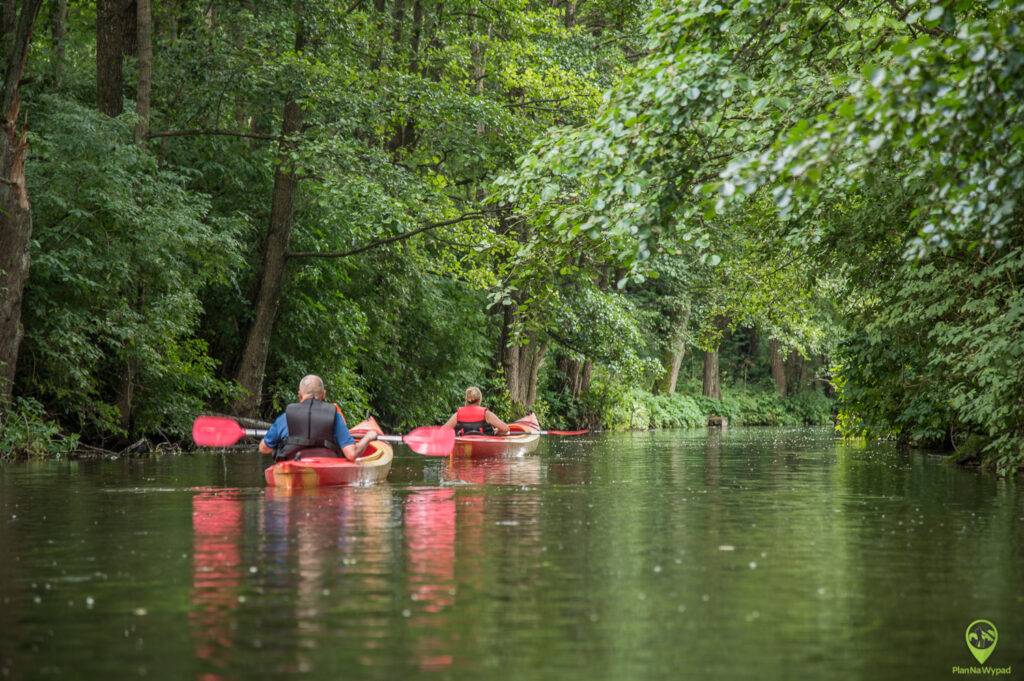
473, 395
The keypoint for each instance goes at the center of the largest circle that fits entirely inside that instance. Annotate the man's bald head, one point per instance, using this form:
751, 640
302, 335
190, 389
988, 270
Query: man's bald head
312, 386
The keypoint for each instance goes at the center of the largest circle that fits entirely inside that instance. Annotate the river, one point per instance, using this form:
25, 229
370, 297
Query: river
749, 554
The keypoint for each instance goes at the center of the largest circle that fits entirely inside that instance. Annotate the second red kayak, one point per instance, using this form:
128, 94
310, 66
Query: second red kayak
328, 470
523, 438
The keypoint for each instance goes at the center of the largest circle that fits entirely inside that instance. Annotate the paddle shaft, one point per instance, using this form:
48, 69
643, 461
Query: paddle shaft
527, 432
253, 432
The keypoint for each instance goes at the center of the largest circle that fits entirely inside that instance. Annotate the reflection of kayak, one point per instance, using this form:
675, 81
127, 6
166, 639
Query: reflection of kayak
319, 467
523, 438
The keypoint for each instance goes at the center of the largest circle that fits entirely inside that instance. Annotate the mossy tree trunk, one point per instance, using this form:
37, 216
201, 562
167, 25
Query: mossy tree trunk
15, 209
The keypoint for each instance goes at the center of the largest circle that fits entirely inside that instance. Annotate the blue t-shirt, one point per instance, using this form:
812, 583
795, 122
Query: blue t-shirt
278, 432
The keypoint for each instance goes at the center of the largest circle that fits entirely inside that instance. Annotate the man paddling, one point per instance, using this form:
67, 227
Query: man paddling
473, 419
311, 423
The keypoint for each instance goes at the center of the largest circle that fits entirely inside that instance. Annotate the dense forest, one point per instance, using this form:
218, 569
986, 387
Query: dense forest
618, 213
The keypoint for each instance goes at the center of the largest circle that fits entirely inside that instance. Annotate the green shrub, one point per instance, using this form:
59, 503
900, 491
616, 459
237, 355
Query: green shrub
675, 411
26, 432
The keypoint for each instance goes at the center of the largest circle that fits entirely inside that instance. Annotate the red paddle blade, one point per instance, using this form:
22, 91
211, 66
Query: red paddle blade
431, 440
565, 432
216, 431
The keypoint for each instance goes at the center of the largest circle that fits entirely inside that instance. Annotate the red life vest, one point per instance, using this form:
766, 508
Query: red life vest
472, 420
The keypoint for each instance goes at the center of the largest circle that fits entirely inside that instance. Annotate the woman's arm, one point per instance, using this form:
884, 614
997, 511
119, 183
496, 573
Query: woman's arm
450, 423
500, 427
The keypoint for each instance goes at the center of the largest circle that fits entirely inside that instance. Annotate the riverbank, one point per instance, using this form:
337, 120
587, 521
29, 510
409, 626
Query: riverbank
607, 408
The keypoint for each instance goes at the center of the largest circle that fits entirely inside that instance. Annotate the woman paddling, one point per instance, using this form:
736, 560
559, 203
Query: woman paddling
473, 419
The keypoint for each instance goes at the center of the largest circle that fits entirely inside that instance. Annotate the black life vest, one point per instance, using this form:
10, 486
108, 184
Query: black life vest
310, 426
472, 420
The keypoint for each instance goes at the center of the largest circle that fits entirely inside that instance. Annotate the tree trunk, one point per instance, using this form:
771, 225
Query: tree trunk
172, 20
778, 368
399, 21
115, 31
145, 39
58, 32
126, 395
15, 209
522, 368
253, 365
417, 33
380, 21
405, 133
520, 363
712, 381
570, 13
671, 360
794, 370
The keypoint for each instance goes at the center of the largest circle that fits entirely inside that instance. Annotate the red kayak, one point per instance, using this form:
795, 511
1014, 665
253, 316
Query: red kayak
326, 469
523, 438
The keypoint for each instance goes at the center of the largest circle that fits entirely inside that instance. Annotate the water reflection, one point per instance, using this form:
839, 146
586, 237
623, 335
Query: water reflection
430, 530
330, 544
526, 470
216, 576
742, 555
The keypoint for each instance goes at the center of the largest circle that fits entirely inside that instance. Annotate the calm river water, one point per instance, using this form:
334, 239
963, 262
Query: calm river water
754, 554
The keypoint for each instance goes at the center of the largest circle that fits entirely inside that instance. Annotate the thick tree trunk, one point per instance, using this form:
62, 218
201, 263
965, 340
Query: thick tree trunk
58, 33
778, 367
253, 365
575, 375
671, 360
520, 363
712, 380
145, 40
15, 209
522, 368
115, 32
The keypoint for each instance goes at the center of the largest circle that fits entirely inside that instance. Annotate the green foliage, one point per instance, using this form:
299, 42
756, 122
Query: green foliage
839, 182
771, 142
612, 409
26, 431
122, 253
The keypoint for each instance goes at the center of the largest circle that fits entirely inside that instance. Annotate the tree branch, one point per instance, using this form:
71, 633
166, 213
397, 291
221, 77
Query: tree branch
223, 133
479, 215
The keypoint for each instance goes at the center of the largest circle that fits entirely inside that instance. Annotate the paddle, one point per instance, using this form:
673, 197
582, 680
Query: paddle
515, 433
220, 431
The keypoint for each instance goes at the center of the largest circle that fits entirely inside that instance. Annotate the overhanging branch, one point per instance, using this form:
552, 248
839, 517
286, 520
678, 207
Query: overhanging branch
478, 215
221, 133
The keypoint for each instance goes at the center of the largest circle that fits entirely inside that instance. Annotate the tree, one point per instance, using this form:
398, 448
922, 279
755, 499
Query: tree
270, 276
115, 38
15, 208
778, 366
712, 383
145, 87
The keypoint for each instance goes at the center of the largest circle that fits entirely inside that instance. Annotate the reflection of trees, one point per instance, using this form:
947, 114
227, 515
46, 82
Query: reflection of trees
322, 546
494, 470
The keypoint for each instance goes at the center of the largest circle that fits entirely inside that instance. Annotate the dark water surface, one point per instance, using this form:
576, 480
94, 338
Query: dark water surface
757, 554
